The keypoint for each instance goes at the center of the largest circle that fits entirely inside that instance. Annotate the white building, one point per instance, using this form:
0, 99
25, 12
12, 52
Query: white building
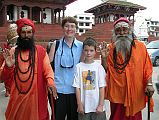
153, 27
141, 28
46, 14
85, 22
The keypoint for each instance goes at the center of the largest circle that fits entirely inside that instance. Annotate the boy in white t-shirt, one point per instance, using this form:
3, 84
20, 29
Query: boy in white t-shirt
89, 80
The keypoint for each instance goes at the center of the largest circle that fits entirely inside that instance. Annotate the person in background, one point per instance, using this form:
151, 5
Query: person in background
12, 35
66, 57
129, 73
29, 76
89, 81
11, 42
48, 47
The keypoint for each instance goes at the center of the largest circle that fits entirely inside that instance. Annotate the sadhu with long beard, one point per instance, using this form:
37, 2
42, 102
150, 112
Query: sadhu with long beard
29, 76
129, 73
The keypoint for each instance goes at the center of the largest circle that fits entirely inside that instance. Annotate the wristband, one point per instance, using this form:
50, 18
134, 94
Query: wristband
149, 84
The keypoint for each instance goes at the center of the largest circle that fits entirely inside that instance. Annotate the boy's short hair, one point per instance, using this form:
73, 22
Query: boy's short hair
70, 20
90, 42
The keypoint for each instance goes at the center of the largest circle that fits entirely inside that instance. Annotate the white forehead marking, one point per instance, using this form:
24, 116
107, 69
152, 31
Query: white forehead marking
121, 24
26, 28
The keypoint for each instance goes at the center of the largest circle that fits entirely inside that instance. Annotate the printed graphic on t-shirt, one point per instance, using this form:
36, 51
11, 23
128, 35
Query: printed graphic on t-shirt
88, 80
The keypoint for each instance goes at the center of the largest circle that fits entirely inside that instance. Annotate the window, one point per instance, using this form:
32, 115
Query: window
81, 18
87, 24
87, 18
152, 28
81, 30
80, 24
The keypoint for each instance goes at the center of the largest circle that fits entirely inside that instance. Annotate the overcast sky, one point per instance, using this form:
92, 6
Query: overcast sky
80, 6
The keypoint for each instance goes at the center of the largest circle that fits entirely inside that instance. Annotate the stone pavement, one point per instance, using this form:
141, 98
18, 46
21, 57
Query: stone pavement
154, 115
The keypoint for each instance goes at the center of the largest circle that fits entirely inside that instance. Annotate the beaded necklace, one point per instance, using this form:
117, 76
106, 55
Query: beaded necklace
120, 67
31, 69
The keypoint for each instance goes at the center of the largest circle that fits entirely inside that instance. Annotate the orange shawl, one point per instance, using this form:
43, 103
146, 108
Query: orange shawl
128, 88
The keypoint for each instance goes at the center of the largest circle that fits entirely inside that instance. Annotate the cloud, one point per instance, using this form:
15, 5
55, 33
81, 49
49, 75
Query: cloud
80, 6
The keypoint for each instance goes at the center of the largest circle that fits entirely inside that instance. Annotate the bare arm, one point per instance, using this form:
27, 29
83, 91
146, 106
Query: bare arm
49, 76
79, 103
101, 100
104, 50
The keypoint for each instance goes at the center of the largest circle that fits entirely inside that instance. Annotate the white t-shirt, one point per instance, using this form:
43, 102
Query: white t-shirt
89, 78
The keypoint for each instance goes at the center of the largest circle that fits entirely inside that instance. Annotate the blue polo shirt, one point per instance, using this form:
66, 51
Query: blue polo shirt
68, 59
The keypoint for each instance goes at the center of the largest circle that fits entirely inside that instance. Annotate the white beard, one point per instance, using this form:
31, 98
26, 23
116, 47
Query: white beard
123, 45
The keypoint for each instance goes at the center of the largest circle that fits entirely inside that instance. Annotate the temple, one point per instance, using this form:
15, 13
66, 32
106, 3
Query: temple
47, 15
106, 13
40, 11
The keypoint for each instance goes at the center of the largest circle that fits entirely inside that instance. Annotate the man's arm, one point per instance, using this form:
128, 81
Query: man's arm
149, 90
148, 69
49, 76
104, 50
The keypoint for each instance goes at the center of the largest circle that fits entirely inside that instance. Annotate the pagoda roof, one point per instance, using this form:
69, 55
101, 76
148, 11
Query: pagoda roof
117, 3
66, 2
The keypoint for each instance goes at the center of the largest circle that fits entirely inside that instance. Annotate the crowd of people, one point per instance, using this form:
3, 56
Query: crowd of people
67, 75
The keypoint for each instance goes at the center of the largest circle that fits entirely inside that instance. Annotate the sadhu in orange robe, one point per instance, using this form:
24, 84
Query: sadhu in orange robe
34, 104
128, 88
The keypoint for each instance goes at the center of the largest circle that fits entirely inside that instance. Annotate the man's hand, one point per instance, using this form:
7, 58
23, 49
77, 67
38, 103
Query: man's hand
104, 50
9, 59
149, 90
80, 109
53, 90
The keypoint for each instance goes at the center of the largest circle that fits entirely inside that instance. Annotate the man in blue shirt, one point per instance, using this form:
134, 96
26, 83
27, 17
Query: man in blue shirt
66, 57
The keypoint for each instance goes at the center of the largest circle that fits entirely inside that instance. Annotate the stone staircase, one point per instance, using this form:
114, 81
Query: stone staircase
100, 32
45, 32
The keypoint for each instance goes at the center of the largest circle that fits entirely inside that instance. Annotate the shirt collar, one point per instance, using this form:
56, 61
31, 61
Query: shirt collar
75, 42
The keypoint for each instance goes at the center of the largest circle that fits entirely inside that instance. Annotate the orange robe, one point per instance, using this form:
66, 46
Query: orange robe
33, 105
128, 88
1, 66
1, 59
